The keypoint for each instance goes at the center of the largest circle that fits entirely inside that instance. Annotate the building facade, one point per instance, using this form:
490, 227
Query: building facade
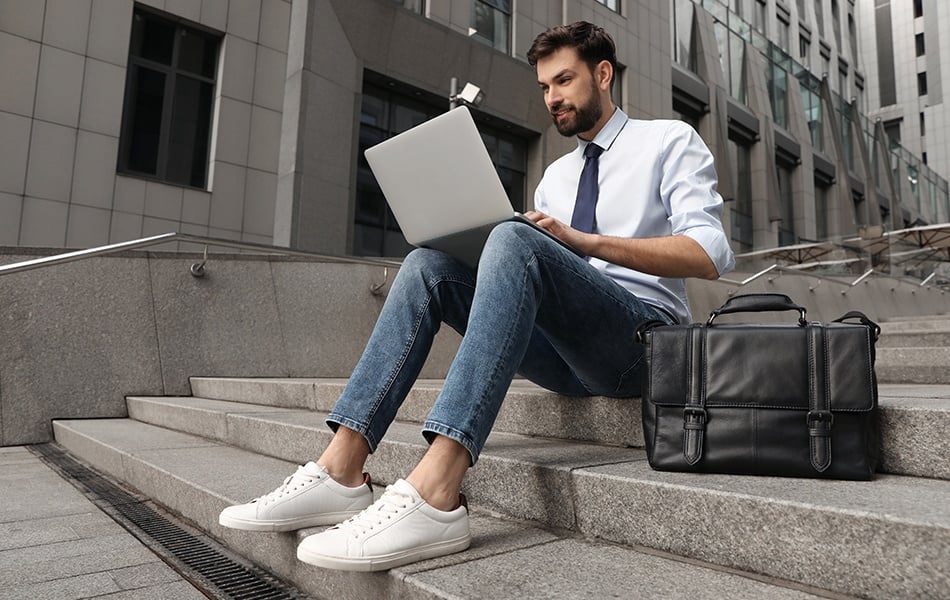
906, 64
246, 119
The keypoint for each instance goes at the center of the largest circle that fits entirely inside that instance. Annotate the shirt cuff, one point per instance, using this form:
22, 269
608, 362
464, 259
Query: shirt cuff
714, 242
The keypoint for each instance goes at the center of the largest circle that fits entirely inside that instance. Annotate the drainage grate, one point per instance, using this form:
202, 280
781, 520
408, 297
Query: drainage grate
206, 564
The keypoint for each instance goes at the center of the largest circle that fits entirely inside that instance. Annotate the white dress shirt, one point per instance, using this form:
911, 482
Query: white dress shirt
656, 179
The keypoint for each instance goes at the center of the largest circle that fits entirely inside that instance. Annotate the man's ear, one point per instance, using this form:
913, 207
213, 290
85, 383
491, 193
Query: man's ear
604, 74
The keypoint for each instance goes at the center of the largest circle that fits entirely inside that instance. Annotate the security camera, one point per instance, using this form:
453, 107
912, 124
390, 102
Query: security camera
472, 94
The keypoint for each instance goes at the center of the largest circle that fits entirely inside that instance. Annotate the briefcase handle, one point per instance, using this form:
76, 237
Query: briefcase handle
758, 303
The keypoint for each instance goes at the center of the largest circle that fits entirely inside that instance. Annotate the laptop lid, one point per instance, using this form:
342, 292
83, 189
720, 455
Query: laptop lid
439, 179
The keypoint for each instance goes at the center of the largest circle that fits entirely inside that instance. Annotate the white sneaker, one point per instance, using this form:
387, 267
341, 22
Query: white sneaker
308, 498
398, 529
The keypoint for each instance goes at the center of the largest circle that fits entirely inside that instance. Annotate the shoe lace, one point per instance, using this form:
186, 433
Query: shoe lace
388, 505
290, 485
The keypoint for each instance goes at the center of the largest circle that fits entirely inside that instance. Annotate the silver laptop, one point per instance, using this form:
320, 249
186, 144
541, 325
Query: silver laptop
442, 186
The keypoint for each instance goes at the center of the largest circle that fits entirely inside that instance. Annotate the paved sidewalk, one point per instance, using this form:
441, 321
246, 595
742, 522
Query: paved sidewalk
56, 544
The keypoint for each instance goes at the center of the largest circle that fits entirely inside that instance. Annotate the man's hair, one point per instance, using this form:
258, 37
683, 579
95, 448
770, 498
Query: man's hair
591, 42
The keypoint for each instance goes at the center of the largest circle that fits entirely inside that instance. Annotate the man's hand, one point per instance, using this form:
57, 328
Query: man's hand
578, 240
671, 256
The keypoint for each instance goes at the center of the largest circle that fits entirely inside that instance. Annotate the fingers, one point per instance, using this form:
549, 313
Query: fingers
542, 220
534, 215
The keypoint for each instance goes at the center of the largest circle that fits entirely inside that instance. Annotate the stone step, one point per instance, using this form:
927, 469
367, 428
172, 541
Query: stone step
941, 322
915, 338
877, 539
528, 408
915, 332
913, 365
914, 419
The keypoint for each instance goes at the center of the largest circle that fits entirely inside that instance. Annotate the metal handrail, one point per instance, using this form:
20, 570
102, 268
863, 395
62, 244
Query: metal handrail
849, 285
67, 257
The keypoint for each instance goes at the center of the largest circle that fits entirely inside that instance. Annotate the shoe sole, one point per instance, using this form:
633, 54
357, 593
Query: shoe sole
286, 524
388, 561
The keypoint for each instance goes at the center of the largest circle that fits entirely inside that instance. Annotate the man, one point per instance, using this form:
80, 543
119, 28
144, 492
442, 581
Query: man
641, 200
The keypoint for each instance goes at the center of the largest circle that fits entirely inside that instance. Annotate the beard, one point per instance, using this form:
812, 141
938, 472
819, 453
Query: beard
585, 117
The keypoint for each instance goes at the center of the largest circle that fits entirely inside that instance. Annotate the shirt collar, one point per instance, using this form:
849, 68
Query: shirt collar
606, 136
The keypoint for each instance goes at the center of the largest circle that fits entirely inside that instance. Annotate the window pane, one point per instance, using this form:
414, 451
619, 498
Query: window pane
190, 126
374, 113
197, 53
152, 38
407, 117
490, 25
147, 93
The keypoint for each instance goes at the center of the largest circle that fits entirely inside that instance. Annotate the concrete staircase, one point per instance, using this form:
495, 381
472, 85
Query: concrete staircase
915, 351
564, 503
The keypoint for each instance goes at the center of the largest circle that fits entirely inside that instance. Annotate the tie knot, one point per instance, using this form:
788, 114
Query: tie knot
592, 150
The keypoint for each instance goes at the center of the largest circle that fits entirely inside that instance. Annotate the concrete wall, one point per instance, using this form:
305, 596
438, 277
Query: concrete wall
77, 338
333, 42
63, 72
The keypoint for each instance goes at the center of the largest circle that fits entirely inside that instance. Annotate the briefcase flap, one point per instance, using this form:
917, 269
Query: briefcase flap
761, 366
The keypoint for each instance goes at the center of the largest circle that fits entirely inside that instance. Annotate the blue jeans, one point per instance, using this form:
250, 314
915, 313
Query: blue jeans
532, 308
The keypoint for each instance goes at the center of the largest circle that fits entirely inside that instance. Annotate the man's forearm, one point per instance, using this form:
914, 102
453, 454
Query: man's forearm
673, 256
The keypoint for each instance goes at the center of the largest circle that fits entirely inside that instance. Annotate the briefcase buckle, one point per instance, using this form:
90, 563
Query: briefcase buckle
820, 422
694, 417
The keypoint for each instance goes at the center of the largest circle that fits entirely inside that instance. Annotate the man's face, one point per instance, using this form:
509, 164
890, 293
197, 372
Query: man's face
570, 92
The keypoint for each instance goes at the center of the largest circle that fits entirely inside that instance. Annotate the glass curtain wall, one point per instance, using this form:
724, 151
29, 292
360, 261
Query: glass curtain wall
929, 196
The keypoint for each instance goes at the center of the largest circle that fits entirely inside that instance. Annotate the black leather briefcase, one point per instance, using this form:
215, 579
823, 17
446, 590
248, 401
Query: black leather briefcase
794, 400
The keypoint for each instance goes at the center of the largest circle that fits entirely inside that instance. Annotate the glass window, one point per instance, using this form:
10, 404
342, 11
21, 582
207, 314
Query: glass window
921, 84
786, 228
918, 8
836, 22
820, 17
804, 48
169, 99
847, 145
758, 19
683, 34
919, 42
736, 78
853, 39
613, 5
812, 103
783, 35
893, 130
821, 211
491, 21
417, 6
741, 215
778, 91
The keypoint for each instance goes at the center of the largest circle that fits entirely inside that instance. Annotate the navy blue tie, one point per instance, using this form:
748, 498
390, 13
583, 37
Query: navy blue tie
587, 189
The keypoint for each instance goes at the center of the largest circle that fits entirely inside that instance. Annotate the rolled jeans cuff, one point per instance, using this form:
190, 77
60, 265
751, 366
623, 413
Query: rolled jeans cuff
334, 420
430, 429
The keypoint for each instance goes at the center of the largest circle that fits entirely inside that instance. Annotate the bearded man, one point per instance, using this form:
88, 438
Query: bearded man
636, 198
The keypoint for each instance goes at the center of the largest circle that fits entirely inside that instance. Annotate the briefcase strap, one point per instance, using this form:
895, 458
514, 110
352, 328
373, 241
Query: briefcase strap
820, 418
694, 413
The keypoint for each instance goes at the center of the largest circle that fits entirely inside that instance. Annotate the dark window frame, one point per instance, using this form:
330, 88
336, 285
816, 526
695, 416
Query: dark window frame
172, 74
